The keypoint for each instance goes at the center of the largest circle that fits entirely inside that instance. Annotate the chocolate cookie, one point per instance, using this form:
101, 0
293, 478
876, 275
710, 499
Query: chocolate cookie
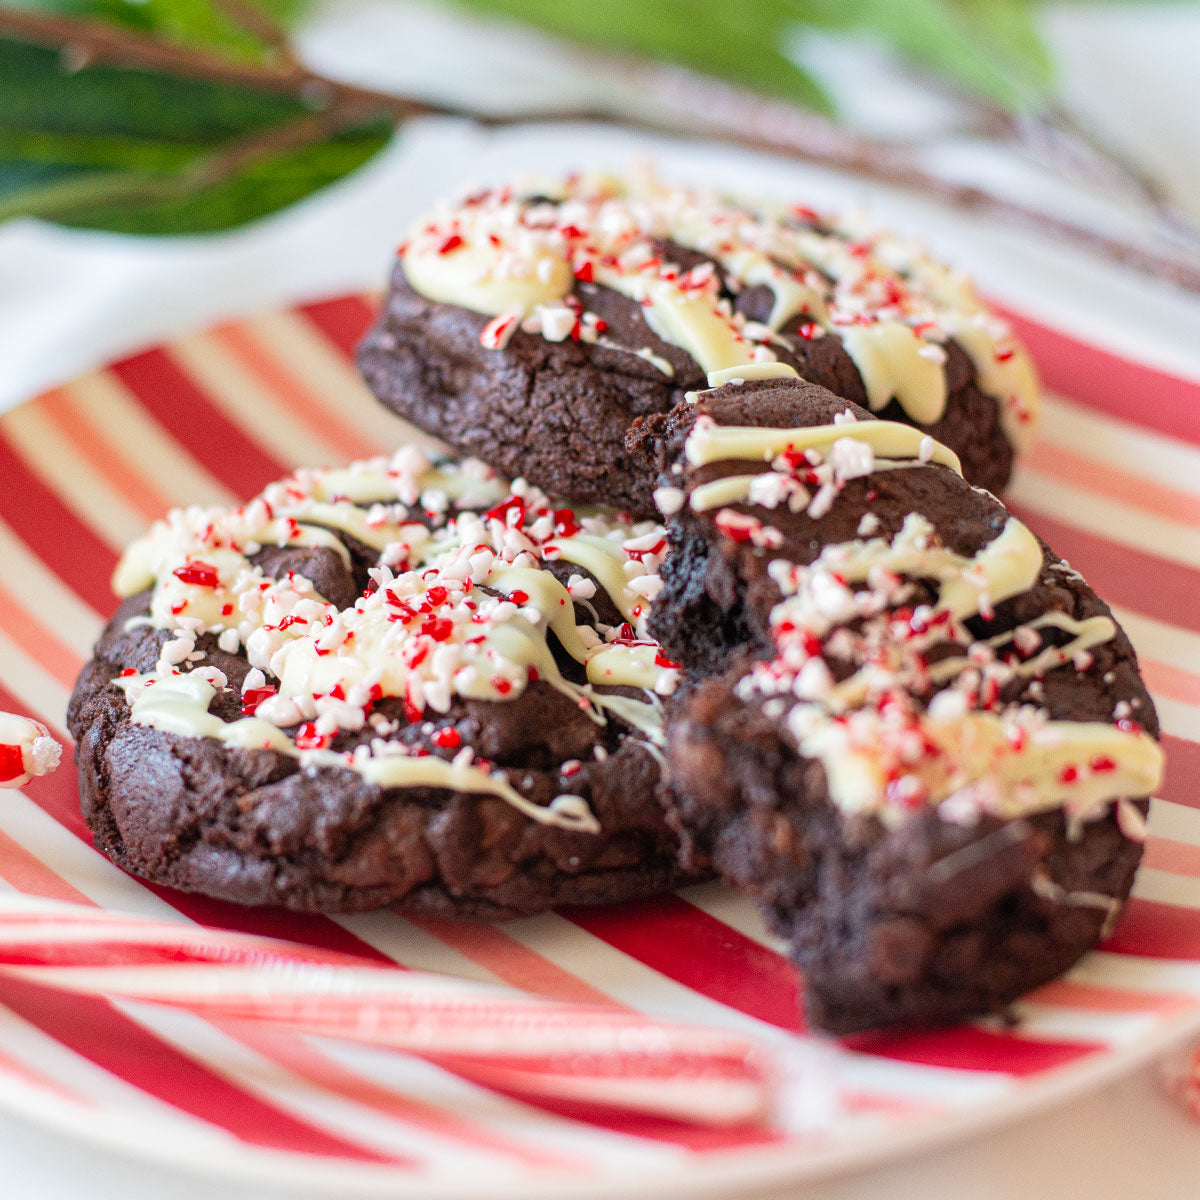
532, 328
401, 682
918, 737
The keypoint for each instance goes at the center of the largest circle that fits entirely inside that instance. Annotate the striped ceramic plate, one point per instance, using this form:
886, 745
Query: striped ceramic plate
1114, 485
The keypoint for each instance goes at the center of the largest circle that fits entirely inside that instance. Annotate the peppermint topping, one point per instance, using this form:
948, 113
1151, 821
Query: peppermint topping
459, 605
26, 750
877, 669
534, 263
861, 655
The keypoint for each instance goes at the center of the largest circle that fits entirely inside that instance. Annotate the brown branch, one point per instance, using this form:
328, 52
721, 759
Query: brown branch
1064, 136
1088, 143
100, 43
1059, 140
259, 23
730, 115
772, 127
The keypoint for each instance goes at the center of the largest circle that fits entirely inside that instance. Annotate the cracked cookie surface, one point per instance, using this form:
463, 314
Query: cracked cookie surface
533, 328
914, 734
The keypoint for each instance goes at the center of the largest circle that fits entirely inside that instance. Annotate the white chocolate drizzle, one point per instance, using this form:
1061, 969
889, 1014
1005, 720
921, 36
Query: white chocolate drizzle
462, 605
179, 704
860, 673
809, 465
747, 372
892, 305
888, 355
709, 442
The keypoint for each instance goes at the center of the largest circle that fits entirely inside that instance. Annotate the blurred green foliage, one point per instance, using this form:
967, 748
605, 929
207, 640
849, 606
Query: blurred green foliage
137, 152
199, 23
989, 47
133, 150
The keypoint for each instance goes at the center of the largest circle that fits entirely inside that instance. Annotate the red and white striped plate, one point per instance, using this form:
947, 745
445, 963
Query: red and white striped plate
1114, 486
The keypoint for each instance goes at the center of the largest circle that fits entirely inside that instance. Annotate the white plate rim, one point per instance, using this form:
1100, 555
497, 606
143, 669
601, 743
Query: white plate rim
739, 1174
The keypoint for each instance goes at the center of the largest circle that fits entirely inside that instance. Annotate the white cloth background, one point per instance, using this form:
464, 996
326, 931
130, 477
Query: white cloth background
69, 300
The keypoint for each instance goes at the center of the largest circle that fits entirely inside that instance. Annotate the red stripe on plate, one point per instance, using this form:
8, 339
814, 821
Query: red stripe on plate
137, 483
1182, 782
1177, 858
305, 1060
688, 945
278, 377
187, 413
642, 1125
1151, 929
41, 642
52, 531
31, 877
311, 929
512, 961
1131, 578
1096, 998
94, 1029
1101, 380
27, 1074
58, 796
343, 321
968, 1048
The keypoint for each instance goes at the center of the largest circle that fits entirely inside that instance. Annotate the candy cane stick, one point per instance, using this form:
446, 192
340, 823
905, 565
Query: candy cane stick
1179, 1072
502, 1039
26, 750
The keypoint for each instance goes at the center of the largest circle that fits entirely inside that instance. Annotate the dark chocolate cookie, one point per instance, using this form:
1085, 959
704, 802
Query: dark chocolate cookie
917, 737
531, 330
399, 683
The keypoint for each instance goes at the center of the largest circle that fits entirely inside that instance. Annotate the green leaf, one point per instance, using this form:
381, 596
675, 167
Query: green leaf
201, 199
988, 47
37, 92
48, 148
198, 23
1010, 26
138, 152
734, 41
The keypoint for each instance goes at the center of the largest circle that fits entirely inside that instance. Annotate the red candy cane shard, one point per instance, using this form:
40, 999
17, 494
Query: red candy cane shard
26, 750
508, 1040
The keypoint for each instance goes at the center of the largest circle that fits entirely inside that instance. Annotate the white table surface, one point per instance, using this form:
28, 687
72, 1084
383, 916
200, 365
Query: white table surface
69, 300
